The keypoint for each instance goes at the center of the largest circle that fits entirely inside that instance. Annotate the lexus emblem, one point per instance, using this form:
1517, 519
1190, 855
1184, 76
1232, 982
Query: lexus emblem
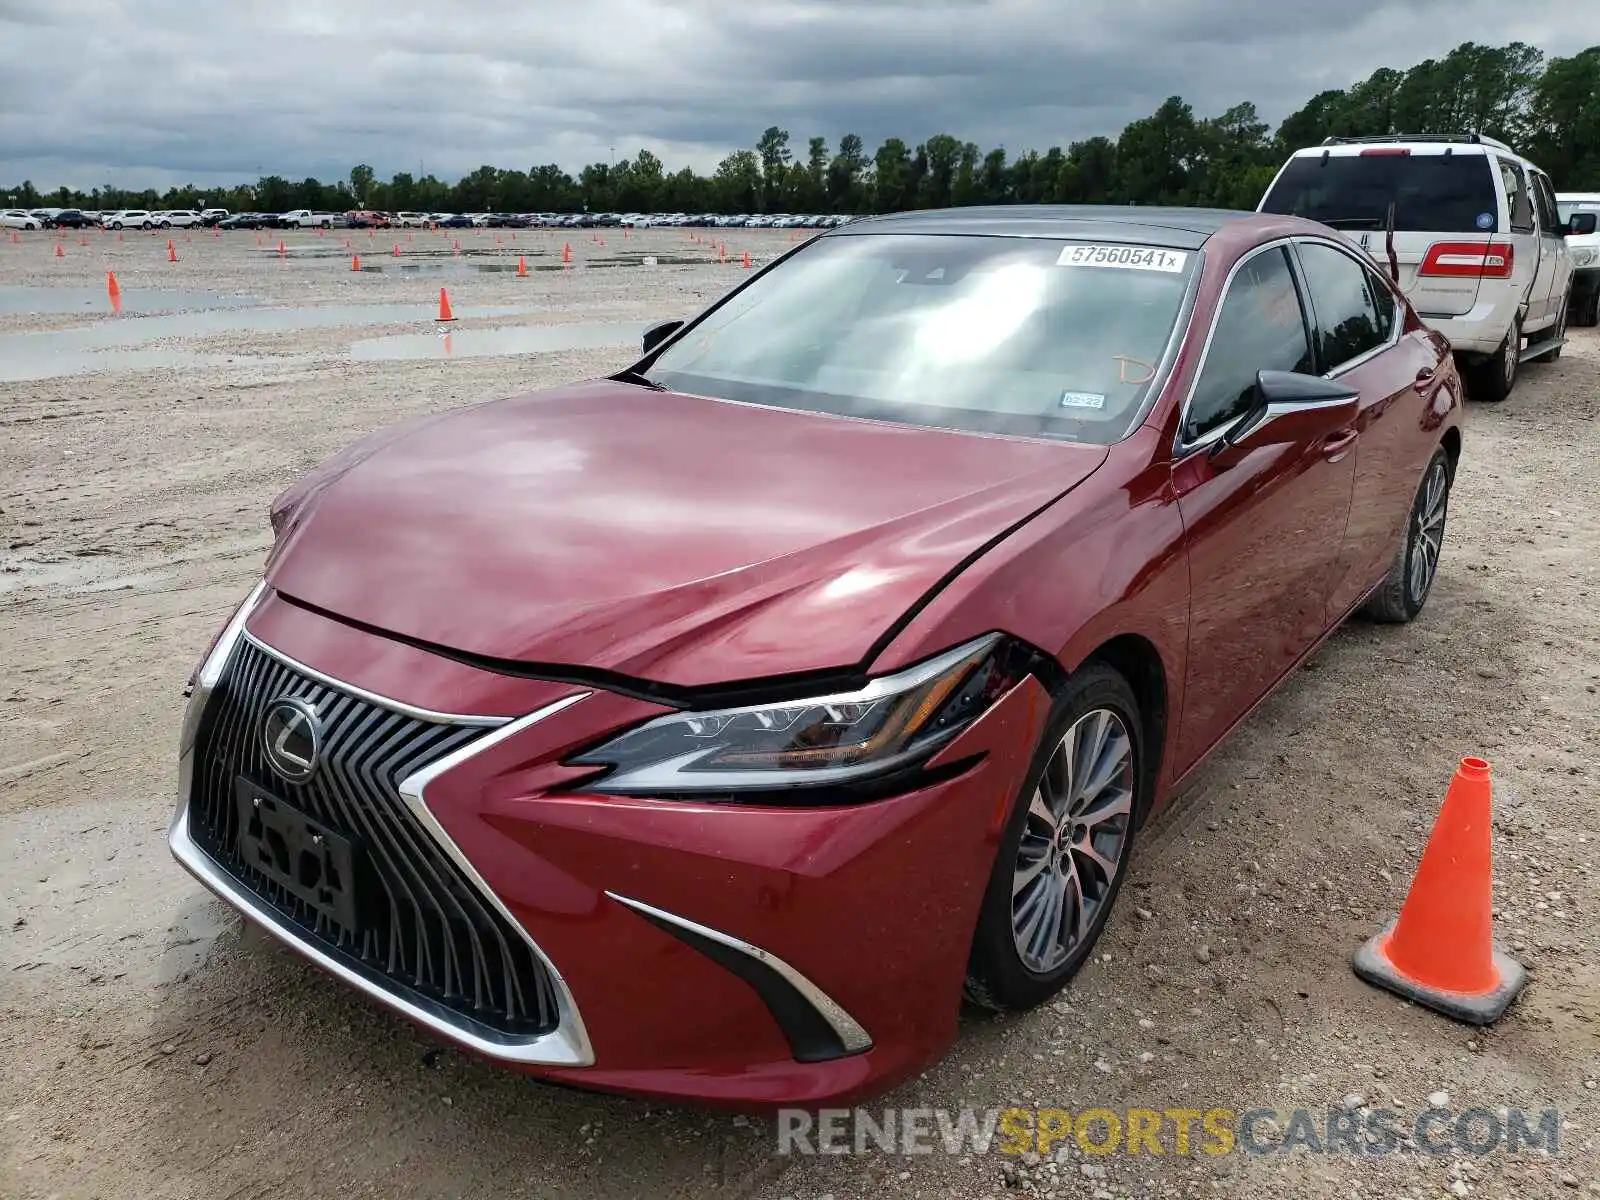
291, 736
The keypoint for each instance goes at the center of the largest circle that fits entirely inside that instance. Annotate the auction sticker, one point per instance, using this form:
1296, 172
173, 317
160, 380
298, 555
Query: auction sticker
1083, 400
1134, 258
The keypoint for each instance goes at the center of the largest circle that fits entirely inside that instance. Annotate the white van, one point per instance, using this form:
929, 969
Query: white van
1478, 246
1581, 212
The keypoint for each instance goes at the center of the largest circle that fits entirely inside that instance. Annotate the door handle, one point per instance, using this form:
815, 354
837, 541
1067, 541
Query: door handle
1423, 379
1336, 445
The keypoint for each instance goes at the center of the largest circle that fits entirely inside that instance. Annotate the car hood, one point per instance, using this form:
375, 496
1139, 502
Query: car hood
669, 538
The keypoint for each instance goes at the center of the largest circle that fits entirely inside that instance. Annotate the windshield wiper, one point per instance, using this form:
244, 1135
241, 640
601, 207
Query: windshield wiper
640, 378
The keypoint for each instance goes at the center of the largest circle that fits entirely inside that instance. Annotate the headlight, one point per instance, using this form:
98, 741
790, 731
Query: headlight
893, 722
209, 671
1583, 256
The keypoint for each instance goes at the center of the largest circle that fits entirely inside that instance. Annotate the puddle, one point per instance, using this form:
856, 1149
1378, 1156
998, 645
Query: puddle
509, 339
28, 368
22, 300
25, 357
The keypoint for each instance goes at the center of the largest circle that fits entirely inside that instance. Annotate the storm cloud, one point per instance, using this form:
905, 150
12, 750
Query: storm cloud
160, 92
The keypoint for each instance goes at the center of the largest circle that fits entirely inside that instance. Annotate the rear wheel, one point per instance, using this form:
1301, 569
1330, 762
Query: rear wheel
1405, 589
1491, 381
1065, 848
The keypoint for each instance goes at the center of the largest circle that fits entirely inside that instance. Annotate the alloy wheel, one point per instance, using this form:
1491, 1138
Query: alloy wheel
1078, 822
1508, 363
1428, 531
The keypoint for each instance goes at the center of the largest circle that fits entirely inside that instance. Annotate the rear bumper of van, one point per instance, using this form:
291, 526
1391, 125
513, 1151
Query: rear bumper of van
1483, 328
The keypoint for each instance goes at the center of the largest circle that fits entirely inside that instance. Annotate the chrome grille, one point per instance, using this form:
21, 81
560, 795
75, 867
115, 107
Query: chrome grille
421, 924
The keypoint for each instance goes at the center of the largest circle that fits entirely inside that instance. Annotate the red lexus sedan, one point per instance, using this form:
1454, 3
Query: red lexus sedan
709, 730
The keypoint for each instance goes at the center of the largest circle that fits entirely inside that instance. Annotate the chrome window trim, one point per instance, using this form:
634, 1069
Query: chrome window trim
398, 706
1182, 449
567, 1045
851, 1035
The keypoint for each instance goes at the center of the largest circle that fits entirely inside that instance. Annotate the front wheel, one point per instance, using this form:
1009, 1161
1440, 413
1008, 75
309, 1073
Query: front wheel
116, 224
1405, 589
166, 224
1065, 848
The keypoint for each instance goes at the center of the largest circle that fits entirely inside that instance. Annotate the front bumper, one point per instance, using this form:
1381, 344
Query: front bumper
716, 953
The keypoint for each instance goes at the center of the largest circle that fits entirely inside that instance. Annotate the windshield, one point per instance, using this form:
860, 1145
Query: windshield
1025, 336
1433, 193
1565, 208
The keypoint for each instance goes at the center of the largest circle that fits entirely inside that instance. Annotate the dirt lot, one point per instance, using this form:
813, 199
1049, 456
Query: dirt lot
150, 1047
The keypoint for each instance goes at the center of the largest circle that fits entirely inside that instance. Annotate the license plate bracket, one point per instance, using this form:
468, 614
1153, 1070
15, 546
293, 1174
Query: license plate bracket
297, 852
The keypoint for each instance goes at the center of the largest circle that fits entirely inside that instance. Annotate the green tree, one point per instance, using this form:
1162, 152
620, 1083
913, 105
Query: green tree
891, 174
361, 180
845, 172
773, 149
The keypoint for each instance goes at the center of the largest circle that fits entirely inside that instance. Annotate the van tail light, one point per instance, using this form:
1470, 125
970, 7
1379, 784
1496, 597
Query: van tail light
1468, 260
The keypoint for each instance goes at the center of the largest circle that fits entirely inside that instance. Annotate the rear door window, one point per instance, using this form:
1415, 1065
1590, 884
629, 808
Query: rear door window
1544, 199
1432, 193
1349, 317
1518, 203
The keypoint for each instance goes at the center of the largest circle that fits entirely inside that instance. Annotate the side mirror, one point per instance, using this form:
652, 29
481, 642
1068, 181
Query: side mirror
657, 334
1582, 224
1287, 407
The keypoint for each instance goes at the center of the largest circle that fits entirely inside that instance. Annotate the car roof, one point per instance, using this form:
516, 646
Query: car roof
1185, 228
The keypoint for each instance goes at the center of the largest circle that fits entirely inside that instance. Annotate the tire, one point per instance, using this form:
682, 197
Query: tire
166, 224
1096, 700
116, 224
1491, 381
1405, 589
1587, 313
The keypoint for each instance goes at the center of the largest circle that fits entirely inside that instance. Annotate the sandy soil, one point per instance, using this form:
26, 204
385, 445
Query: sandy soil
151, 1047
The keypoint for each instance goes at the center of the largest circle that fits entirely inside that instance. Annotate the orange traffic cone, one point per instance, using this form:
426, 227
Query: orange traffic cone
1440, 953
60, 253
444, 306
113, 288
281, 250
566, 252
397, 250
355, 263
522, 267
15, 238
747, 260
83, 241
172, 252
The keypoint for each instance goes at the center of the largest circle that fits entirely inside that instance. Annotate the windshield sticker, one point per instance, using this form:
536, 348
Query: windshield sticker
1082, 400
1136, 258
1485, 220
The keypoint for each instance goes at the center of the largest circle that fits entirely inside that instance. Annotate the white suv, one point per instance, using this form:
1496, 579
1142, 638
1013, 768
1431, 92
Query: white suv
131, 218
1478, 246
1581, 212
179, 218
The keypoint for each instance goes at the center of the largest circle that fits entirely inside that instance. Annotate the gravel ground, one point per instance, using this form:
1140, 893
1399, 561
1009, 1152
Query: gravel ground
152, 1047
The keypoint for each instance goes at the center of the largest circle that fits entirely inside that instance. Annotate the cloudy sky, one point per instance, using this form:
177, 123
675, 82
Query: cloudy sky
156, 92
